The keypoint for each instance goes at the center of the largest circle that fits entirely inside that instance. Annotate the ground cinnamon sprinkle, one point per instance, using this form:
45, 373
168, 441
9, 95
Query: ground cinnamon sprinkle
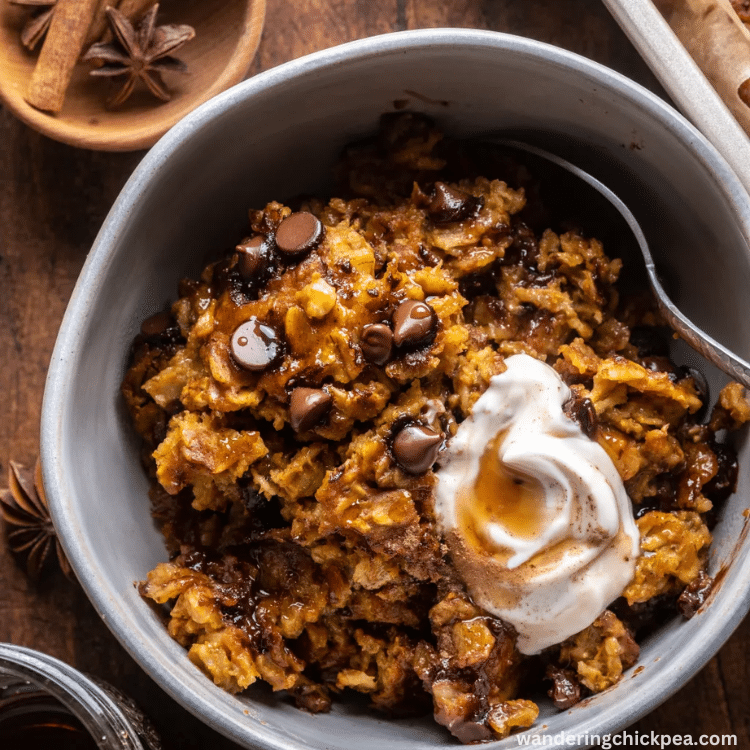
293, 400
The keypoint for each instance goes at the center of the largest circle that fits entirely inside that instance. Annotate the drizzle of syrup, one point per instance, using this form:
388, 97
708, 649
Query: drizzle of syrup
503, 497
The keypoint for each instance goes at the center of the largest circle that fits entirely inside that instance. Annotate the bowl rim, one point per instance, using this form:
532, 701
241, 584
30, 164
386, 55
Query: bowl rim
727, 610
134, 139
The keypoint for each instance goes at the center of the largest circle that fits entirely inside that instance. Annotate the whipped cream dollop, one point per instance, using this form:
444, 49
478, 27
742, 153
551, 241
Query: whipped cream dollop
534, 512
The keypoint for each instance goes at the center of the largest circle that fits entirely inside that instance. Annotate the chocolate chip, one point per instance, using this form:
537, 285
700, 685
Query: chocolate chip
377, 343
581, 410
416, 448
649, 341
299, 233
724, 482
413, 323
656, 363
480, 282
694, 595
157, 324
255, 346
450, 204
523, 249
471, 730
429, 257
307, 407
253, 257
226, 279
566, 690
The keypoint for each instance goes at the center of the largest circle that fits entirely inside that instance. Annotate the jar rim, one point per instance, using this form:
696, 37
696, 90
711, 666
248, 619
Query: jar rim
90, 703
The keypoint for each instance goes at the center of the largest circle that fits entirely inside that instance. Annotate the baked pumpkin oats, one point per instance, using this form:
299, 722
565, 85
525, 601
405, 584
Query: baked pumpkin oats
415, 443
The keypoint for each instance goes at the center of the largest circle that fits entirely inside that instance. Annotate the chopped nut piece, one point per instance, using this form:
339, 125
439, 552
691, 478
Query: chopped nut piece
473, 641
509, 715
317, 299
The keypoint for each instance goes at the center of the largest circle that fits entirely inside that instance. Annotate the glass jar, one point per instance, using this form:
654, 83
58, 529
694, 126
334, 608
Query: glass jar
45, 702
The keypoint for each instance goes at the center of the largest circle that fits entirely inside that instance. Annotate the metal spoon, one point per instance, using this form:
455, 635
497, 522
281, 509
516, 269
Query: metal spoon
727, 361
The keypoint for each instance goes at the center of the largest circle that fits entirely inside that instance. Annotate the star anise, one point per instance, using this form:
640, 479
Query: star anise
36, 27
142, 54
742, 9
28, 526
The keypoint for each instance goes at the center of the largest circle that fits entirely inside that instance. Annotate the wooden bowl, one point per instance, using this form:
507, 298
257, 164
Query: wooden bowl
227, 37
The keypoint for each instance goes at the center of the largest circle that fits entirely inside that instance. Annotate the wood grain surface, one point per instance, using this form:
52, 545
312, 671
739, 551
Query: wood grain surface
53, 198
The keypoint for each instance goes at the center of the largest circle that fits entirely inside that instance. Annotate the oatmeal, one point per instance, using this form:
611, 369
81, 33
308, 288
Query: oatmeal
298, 401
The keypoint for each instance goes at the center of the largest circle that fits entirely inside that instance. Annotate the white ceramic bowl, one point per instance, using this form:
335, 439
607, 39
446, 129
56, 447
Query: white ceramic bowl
279, 135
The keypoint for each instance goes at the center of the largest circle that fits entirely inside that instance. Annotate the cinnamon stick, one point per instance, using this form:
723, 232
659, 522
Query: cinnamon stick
719, 43
134, 9
60, 52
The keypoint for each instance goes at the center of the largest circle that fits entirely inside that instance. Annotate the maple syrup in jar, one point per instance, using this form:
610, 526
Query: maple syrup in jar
46, 704
33, 719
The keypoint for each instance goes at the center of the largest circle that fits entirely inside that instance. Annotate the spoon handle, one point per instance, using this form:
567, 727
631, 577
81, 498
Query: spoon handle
717, 354
712, 350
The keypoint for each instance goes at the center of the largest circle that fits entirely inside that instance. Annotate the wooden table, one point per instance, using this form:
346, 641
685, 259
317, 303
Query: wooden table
53, 198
